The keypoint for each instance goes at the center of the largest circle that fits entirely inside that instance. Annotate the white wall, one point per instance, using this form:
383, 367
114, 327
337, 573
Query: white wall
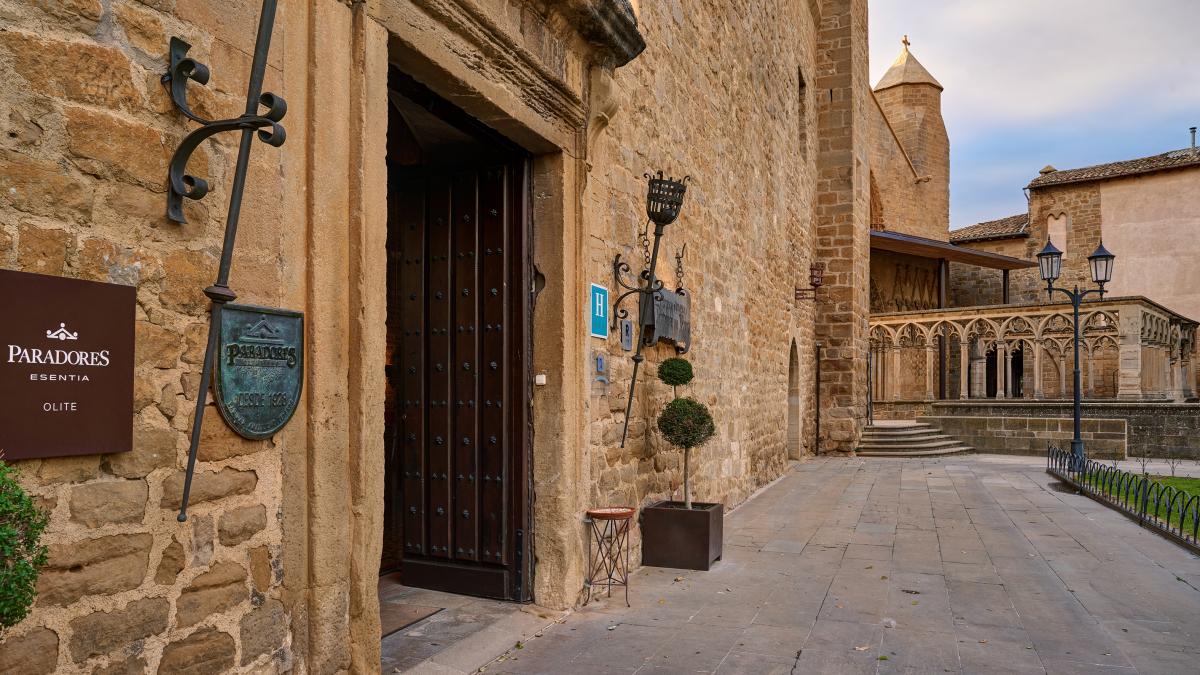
1152, 224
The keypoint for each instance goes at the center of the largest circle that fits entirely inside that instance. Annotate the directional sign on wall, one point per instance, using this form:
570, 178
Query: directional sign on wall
599, 311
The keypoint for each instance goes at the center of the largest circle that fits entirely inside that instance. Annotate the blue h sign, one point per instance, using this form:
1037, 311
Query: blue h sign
599, 311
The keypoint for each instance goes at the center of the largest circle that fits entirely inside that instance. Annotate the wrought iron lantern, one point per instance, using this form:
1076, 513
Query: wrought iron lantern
816, 278
1101, 262
664, 199
1050, 262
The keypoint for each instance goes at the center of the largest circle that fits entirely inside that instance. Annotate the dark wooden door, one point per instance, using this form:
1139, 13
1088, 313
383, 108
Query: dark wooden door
456, 470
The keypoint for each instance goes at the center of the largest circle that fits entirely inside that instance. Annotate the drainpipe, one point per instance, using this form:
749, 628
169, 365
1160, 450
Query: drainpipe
817, 388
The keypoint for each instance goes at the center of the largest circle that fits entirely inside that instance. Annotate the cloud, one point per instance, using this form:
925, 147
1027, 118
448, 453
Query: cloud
1036, 82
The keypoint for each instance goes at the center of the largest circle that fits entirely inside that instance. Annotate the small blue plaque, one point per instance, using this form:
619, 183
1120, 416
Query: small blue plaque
599, 311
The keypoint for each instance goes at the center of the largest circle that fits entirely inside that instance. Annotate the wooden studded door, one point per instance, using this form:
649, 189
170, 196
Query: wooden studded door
456, 469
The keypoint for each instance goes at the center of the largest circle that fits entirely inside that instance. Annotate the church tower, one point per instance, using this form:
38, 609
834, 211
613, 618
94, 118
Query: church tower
911, 99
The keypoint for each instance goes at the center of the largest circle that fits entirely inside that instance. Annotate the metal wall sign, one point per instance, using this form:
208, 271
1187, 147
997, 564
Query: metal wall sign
260, 368
672, 314
66, 366
599, 312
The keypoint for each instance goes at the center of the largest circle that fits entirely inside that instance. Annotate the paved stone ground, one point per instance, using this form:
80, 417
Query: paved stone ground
976, 564
459, 638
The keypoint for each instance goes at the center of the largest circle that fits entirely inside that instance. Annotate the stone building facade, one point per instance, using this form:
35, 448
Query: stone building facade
1144, 210
766, 106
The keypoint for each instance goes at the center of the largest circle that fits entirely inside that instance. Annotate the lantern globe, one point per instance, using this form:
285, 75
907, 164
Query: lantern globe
1101, 262
1050, 262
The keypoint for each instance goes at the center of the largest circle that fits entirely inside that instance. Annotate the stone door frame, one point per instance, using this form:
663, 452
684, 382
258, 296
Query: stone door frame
332, 475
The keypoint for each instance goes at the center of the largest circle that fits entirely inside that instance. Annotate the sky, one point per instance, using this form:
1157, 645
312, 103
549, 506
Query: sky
1034, 82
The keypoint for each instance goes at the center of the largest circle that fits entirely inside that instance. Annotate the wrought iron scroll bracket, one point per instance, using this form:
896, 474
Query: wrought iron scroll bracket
181, 185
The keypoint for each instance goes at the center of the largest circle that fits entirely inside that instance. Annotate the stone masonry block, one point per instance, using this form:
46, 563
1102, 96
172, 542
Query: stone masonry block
102, 632
77, 71
93, 567
109, 502
220, 588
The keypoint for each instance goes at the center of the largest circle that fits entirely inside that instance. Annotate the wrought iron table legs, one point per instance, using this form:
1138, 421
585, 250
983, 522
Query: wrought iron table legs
608, 550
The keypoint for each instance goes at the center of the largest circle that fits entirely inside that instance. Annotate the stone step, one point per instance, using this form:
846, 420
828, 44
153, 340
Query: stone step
916, 453
906, 443
914, 434
942, 442
898, 428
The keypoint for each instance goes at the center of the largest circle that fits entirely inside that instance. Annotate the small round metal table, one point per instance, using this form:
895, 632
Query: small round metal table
609, 541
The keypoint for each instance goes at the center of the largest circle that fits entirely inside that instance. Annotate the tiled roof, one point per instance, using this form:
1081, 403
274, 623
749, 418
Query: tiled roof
1012, 226
1168, 160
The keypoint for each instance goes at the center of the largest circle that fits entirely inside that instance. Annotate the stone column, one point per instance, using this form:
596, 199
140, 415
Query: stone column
841, 218
1008, 383
978, 370
964, 368
931, 351
1037, 372
1168, 371
1064, 390
1001, 380
894, 374
1090, 374
1129, 375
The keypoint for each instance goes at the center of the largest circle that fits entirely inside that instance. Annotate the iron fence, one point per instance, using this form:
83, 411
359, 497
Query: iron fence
1161, 507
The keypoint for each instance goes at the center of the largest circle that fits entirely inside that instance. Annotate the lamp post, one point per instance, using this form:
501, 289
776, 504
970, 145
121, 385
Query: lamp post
1050, 266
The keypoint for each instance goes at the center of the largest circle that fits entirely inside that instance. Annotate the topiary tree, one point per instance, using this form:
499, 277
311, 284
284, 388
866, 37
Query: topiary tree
21, 554
675, 371
684, 422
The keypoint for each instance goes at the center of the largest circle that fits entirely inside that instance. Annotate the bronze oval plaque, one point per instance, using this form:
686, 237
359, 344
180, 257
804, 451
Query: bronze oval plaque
260, 368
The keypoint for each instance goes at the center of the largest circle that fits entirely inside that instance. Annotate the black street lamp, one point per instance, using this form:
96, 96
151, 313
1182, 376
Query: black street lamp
1050, 265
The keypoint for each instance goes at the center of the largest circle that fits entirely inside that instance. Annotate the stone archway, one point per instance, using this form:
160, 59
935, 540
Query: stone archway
795, 443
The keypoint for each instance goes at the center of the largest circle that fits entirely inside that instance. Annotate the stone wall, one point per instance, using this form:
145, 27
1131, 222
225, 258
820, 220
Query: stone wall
730, 112
843, 218
972, 285
88, 132
276, 567
1024, 427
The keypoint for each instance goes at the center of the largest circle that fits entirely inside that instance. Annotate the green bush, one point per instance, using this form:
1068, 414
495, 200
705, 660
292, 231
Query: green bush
21, 554
675, 371
686, 423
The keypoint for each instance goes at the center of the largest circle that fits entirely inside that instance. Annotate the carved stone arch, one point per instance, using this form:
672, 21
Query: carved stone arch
1058, 322
882, 336
927, 334
945, 328
909, 335
983, 327
1098, 319
1017, 325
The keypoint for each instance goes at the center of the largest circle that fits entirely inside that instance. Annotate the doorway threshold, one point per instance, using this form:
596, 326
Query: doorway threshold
450, 634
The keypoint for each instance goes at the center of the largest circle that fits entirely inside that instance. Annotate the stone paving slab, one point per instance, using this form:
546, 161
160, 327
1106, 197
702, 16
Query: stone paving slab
969, 564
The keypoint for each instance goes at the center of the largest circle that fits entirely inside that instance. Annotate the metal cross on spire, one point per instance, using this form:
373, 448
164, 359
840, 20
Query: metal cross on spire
905, 42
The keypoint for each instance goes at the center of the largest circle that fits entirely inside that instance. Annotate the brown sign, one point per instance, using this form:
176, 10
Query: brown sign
66, 366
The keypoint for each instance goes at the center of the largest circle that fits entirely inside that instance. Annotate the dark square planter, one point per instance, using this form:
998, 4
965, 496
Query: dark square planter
674, 536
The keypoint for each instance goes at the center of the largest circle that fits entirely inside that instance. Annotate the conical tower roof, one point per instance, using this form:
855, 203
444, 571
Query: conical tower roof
906, 69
